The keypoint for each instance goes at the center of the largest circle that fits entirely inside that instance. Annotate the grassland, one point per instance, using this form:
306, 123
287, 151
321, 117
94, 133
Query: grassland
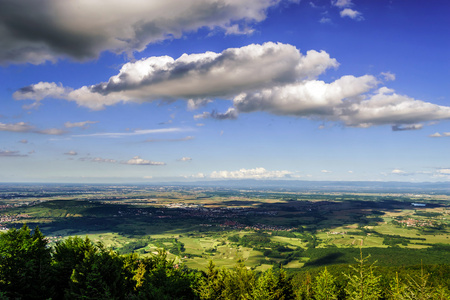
264, 228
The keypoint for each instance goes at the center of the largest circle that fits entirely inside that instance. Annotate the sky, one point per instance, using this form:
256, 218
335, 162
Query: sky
159, 91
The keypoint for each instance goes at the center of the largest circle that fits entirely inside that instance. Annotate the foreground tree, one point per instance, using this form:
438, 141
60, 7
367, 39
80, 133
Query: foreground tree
67, 255
160, 278
24, 264
325, 286
363, 284
100, 275
211, 284
273, 285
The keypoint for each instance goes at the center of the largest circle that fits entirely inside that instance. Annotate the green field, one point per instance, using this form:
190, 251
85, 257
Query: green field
263, 228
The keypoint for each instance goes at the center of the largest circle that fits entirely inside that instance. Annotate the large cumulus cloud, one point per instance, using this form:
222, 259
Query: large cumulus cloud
306, 98
272, 77
36, 31
194, 76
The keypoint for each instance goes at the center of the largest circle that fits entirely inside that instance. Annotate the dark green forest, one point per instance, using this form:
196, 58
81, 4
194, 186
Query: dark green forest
77, 268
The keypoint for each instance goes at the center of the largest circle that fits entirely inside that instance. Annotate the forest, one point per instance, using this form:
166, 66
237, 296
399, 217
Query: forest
78, 268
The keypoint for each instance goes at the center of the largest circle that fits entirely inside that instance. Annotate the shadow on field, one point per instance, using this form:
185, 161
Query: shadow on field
329, 259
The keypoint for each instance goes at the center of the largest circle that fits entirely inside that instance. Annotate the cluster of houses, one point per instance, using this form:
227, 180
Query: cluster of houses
415, 223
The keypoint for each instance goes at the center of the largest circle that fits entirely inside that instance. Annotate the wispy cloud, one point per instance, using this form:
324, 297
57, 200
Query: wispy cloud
132, 133
27, 128
196, 176
187, 138
398, 172
98, 159
352, 14
407, 127
185, 159
325, 20
136, 161
342, 3
16, 127
142, 162
437, 134
388, 76
84, 124
71, 152
230, 114
9, 153
257, 173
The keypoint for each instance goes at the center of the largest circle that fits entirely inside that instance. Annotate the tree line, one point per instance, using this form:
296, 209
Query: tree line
78, 268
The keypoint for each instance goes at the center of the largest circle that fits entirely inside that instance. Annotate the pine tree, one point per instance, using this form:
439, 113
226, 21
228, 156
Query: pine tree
211, 284
363, 284
266, 286
161, 278
239, 283
325, 287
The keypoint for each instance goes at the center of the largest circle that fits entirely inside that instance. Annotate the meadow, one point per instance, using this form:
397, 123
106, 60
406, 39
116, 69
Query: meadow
264, 228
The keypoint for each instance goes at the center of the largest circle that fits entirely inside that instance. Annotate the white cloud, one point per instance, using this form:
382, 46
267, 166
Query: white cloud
51, 131
194, 104
352, 14
257, 173
437, 134
388, 76
133, 133
386, 107
71, 152
203, 115
398, 172
36, 31
27, 128
10, 153
325, 20
326, 171
195, 77
187, 138
342, 3
142, 162
230, 114
271, 77
185, 159
198, 175
98, 159
84, 124
407, 127
16, 127
103, 160
444, 171
309, 98
42, 90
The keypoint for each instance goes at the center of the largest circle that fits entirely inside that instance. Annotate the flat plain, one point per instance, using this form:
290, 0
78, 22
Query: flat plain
264, 227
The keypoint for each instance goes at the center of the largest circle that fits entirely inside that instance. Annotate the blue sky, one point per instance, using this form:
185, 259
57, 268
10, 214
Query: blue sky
151, 91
